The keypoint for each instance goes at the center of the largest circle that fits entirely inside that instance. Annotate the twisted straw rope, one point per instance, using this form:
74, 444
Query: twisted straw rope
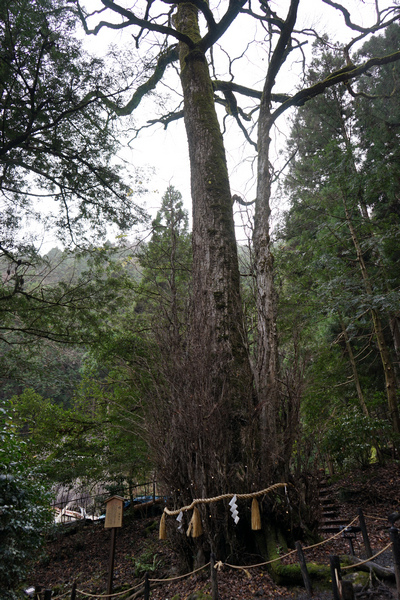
170, 579
335, 535
172, 513
268, 562
180, 576
61, 596
109, 595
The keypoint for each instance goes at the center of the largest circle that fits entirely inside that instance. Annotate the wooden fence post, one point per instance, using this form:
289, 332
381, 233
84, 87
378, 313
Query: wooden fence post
73, 591
364, 532
146, 586
304, 570
214, 579
336, 577
394, 537
111, 562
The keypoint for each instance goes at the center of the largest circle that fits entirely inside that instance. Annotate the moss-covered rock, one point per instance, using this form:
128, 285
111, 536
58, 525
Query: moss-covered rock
274, 543
288, 575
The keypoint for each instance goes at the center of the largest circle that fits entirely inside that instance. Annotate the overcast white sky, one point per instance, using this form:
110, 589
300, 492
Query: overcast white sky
166, 150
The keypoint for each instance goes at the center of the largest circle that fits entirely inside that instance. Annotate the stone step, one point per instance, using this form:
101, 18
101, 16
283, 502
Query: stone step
330, 514
329, 530
327, 500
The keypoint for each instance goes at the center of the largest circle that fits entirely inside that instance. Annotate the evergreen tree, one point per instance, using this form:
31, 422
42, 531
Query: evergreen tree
330, 234
164, 292
24, 507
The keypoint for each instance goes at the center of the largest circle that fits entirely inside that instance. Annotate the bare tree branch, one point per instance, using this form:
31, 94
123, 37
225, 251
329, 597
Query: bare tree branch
202, 6
214, 34
340, 76
164, 59
132, 19
365, 30
280, 52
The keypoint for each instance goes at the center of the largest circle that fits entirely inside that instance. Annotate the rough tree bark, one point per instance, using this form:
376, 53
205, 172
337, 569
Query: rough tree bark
217, 311
267, 357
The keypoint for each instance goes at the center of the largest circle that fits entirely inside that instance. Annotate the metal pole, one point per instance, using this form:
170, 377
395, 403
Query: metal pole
364, 532
111, 562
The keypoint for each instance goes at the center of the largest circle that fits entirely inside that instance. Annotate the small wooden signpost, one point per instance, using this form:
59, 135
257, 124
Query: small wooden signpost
114, 510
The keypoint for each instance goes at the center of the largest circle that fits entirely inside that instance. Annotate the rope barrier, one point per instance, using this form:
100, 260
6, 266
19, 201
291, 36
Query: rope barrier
61, 596
368, 559
376, 518
109, 595
220, 564
335, 535
197, 501
268, 562
139, 585
180, 576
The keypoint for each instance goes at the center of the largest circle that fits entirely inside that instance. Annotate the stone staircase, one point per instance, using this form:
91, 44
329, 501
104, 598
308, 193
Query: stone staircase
330, 521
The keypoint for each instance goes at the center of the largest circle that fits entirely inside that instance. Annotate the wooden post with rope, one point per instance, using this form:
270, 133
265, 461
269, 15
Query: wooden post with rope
336, 577
73, 591
146, 586
214, 580
304, 570
364, 532
394, 538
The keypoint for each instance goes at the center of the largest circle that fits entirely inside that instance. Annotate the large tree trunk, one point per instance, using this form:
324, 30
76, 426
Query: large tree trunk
217, 311
274, 453
267, 348
212, 426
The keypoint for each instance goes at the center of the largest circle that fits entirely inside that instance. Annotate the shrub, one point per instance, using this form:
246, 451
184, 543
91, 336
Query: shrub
24, 508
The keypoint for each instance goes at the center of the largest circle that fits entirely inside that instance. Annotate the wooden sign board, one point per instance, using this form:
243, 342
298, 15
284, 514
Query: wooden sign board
114, 510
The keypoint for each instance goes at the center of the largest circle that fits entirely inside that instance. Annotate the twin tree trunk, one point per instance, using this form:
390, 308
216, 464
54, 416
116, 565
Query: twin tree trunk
233, 439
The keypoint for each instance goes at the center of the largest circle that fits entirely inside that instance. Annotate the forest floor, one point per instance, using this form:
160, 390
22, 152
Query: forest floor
80, 553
